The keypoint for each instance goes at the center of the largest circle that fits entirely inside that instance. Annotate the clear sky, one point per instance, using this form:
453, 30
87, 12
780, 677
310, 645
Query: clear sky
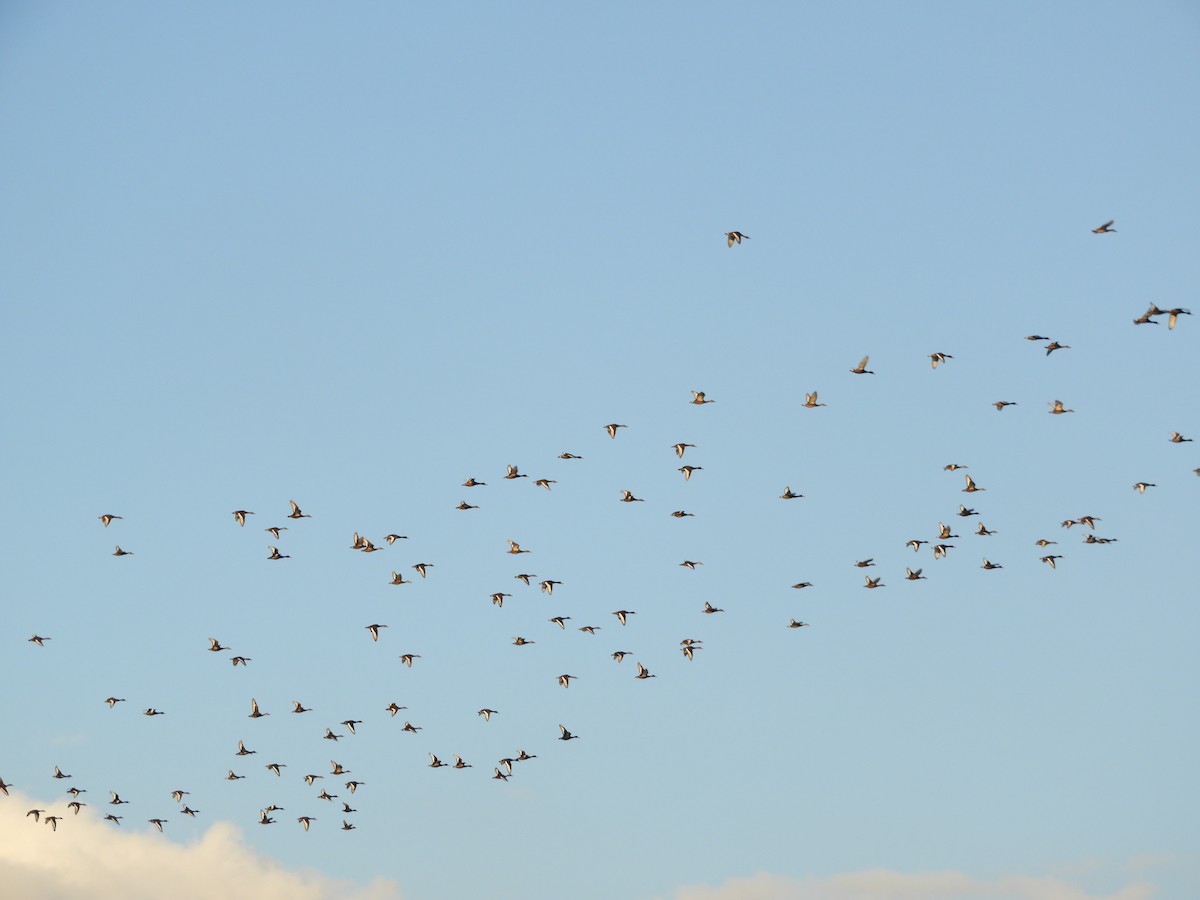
351, 255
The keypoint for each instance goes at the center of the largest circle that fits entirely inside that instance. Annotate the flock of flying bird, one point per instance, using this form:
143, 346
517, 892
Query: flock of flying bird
504, 768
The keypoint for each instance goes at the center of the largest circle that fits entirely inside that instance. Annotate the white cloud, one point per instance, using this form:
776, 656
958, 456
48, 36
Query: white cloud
90, 859
883, 884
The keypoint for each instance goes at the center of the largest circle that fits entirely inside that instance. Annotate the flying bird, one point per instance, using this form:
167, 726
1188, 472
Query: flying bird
1174, 314
1106, 228
240, 516
861, 368
735, 237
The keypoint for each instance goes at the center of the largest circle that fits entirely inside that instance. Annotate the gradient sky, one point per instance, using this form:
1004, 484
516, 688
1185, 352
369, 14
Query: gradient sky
354, 255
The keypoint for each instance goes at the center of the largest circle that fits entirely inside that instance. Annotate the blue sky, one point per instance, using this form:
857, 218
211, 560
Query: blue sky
355, 257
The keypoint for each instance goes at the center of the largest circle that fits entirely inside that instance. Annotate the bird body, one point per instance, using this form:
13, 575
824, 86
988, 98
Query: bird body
861, 368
